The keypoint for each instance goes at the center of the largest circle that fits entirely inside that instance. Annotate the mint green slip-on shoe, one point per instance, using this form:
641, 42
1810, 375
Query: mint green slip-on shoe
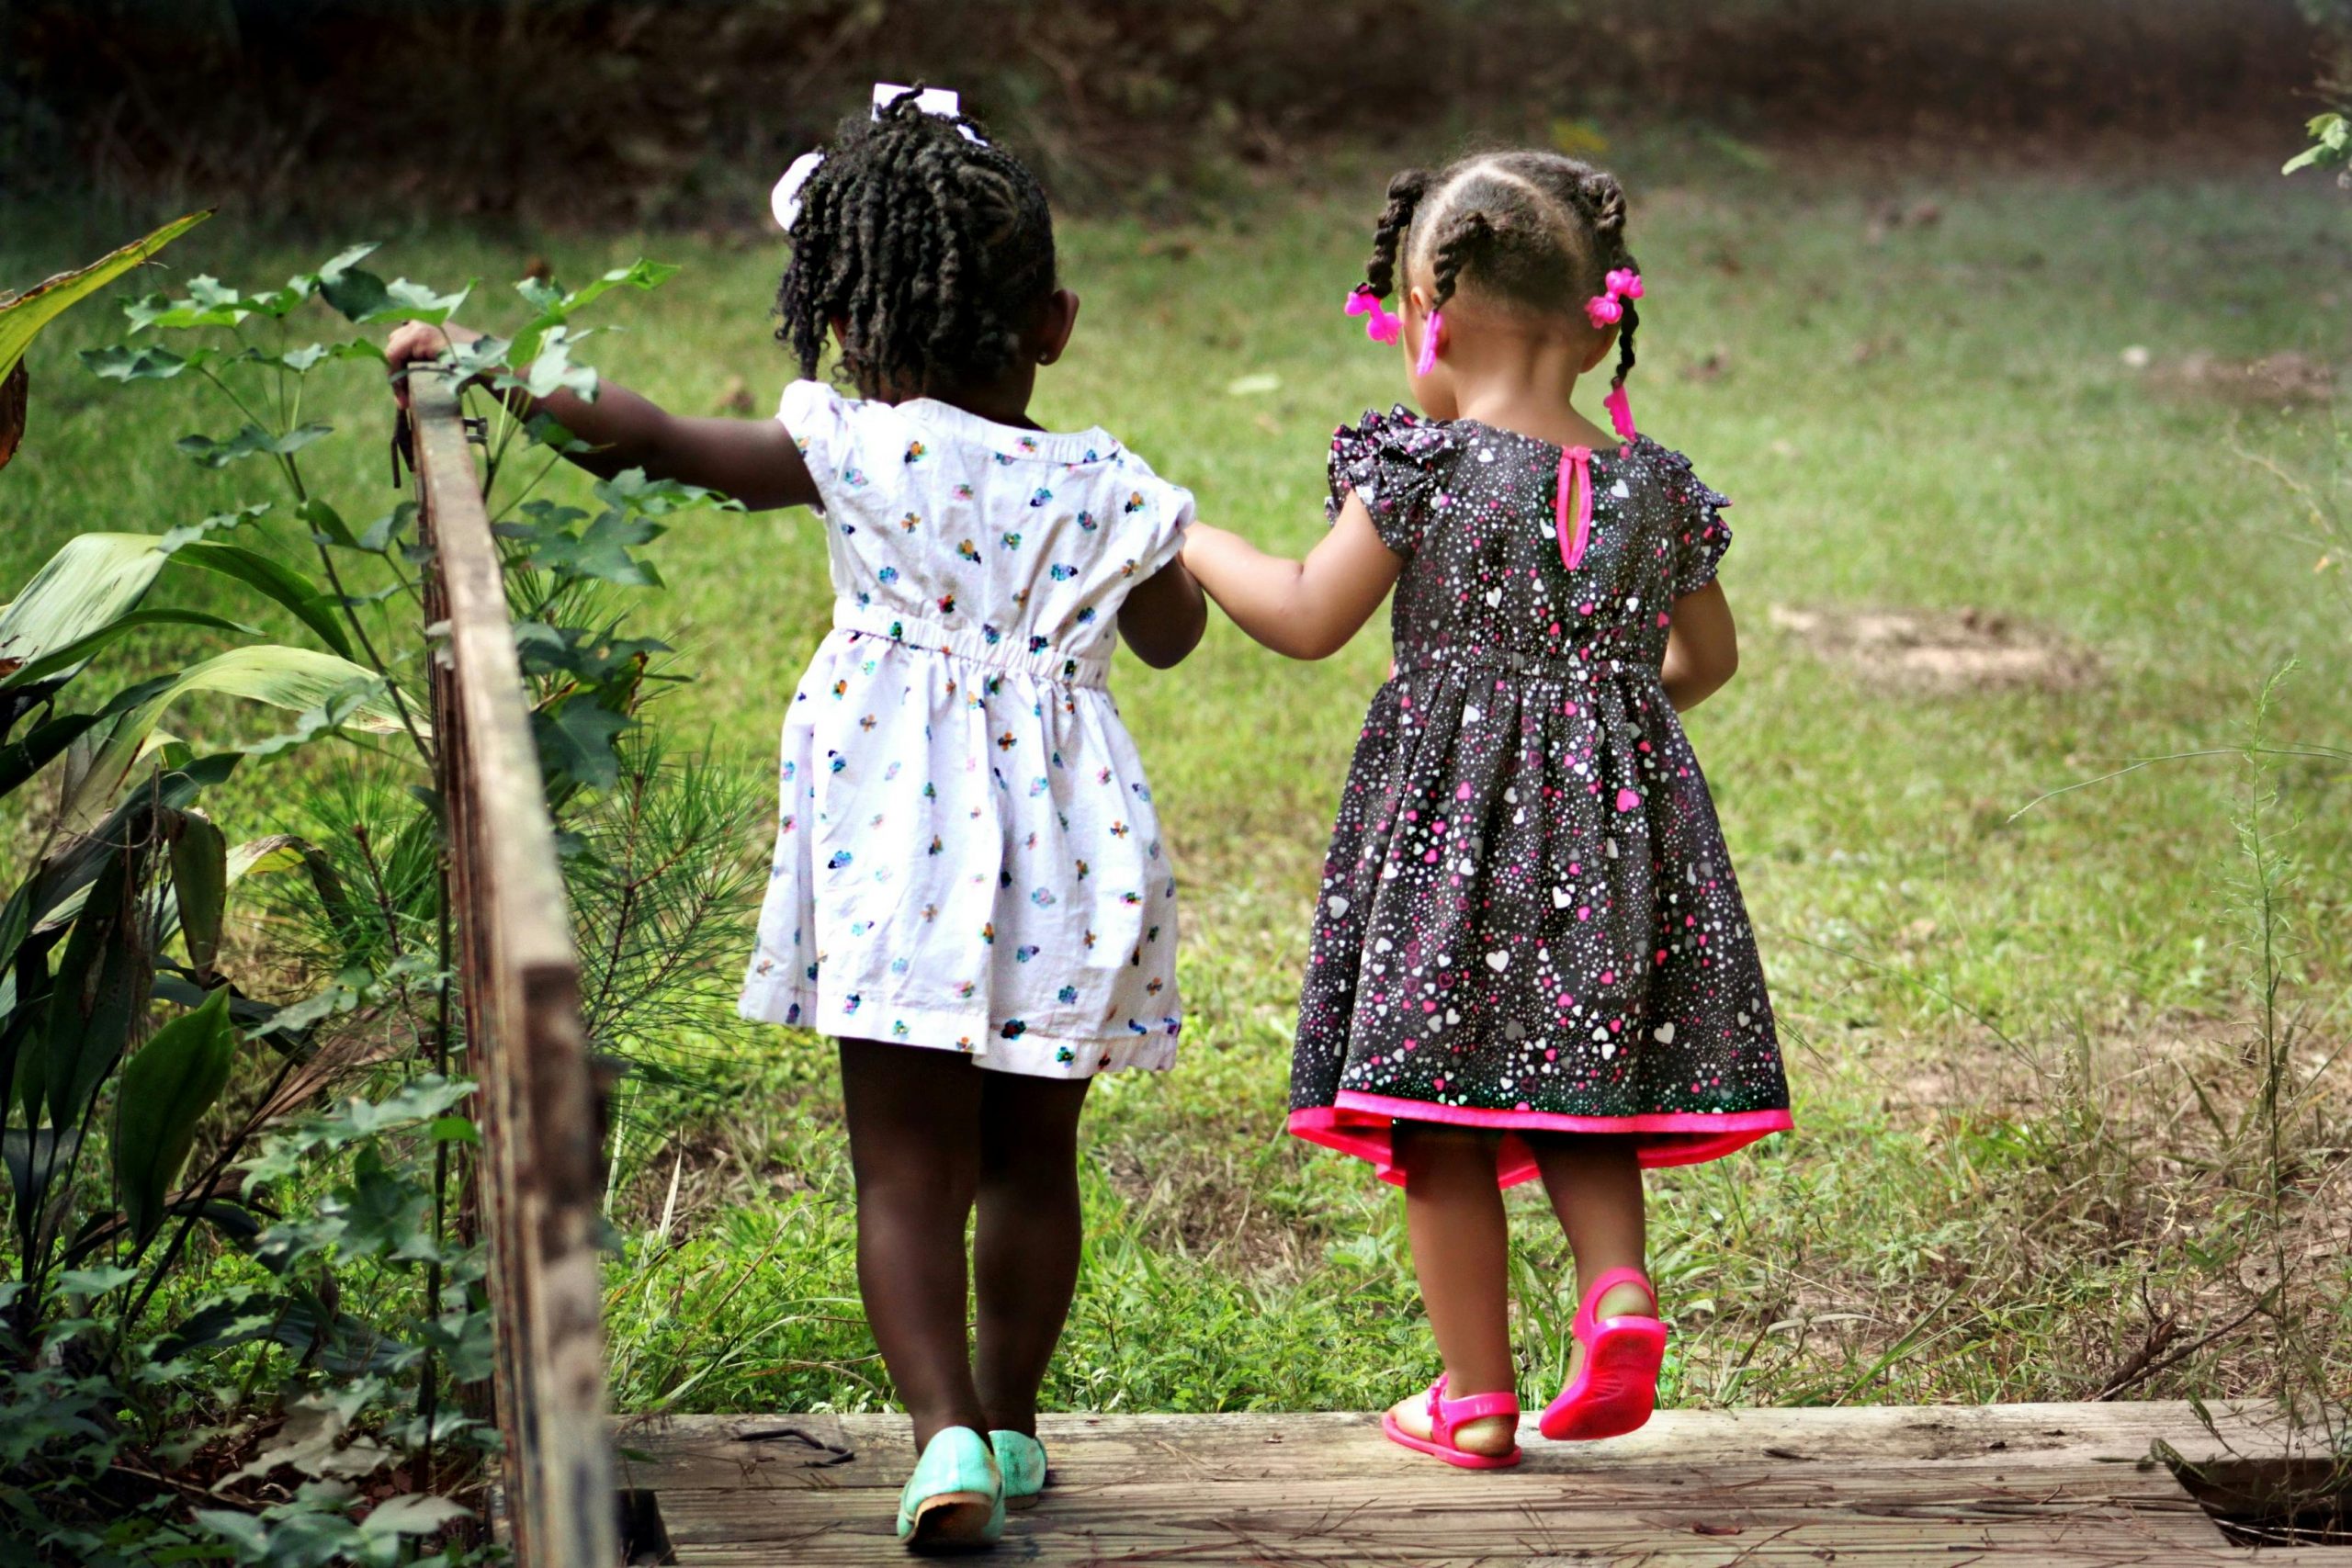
1021, 1460
955, 1500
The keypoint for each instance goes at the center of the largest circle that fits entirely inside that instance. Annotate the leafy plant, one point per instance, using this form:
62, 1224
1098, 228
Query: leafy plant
2331, 133
24, 315
350, 1214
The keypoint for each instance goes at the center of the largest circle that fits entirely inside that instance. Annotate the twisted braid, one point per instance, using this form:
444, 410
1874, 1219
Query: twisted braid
1468, 234
1405, 193
1534, 229
932, 250
1606, 199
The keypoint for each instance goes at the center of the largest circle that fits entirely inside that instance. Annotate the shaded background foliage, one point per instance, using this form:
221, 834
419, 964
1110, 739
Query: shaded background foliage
648, 112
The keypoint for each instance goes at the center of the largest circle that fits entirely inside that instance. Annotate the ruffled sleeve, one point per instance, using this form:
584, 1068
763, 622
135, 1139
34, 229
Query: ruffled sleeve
1701, 535
1166, 516
1390, 462
817, 418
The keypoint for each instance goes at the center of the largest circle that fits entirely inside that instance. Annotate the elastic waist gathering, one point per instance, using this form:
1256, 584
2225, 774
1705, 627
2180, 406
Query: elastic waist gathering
1016, 653
1524, 666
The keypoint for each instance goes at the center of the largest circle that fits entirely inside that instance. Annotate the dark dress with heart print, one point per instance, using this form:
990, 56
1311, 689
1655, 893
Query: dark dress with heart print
1527, 922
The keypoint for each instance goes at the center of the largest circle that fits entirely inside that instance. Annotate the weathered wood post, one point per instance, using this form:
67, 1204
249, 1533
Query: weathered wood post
538, 1177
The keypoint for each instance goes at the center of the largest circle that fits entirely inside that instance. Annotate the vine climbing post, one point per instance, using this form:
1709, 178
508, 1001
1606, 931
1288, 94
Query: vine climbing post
537, 1178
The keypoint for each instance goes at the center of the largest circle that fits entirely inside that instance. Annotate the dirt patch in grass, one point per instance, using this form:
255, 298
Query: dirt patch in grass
2145, 1150
1961, 650
2283, 380
1204, 1204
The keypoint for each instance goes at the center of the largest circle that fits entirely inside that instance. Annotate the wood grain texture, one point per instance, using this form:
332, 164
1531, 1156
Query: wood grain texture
537, 1179
2068, 1486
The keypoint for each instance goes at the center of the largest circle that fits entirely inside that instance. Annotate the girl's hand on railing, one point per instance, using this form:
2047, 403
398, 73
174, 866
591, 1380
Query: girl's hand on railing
418, 343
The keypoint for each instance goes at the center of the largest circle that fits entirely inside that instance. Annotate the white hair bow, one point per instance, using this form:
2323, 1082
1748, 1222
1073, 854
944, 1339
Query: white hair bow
785, 201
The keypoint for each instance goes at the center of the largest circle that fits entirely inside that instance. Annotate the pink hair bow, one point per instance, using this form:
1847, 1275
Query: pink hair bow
1385, 326
1605, 310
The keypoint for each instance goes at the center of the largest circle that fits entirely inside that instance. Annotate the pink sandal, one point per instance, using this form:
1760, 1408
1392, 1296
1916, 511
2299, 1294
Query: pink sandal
1445, 1414
1616, 1388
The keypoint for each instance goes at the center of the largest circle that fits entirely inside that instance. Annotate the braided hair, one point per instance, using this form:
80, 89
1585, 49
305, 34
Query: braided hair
933, 251
1534, 229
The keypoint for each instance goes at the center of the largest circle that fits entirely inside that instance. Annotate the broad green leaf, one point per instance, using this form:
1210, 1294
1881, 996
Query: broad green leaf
313, 605
641, 274
75, 654
92, 579
338, 710
168, 1086
145, 362
265, 857
16, 388
21, 319
586, 656
34, 1161
20, 760
388, 530
200, 887
66, 877
219, 522
297, 679
94, 1281
101, 988
631, 491
551, 370
575, 742
300, 360
601, 551
414, 1512
327, 527
213, 303
252, 441
367, 299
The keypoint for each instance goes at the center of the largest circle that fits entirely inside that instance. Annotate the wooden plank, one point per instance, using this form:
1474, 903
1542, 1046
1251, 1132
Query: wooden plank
1494, 1516
2066, 1486
714, 1452
537, 1179
2046, 1504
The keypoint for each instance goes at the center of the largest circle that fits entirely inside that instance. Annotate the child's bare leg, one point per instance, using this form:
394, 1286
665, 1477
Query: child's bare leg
1453, 1212
1595, 1185
914, 1144
1025, 1245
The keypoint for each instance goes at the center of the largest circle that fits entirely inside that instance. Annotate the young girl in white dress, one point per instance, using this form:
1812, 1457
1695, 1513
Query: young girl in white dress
968, 890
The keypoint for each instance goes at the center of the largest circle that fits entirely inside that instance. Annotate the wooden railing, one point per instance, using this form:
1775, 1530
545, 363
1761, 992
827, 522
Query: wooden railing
537, 1181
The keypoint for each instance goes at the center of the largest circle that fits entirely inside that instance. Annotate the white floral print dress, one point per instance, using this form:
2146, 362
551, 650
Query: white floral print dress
967, 854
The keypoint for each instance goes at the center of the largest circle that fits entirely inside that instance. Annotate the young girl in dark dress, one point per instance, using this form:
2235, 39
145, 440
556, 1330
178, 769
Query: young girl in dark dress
1530, 956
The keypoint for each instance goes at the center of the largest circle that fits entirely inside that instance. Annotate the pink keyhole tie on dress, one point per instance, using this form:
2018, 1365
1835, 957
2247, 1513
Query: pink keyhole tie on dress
1576, 470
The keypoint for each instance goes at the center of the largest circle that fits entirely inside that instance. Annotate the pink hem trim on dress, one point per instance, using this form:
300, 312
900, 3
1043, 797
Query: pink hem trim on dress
1358, 1124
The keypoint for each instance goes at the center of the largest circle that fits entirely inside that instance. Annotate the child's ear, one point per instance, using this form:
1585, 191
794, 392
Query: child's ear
1056, 323
1418, 298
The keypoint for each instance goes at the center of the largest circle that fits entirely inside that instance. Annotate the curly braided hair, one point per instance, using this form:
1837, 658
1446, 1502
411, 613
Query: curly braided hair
932, 249
1536, 230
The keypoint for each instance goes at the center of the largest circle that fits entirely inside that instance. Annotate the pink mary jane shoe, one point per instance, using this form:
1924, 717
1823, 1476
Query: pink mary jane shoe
1445, 1414
1616, 1389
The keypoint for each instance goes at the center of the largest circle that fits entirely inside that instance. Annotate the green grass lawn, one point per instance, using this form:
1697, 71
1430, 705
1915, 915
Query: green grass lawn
2016, 1041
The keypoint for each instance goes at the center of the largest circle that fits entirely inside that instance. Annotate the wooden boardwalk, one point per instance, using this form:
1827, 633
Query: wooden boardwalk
2064, 1486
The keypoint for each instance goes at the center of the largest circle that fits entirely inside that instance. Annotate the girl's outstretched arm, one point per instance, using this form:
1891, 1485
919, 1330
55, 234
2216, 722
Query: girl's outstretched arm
753, 460
1304, 609
1701, 647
